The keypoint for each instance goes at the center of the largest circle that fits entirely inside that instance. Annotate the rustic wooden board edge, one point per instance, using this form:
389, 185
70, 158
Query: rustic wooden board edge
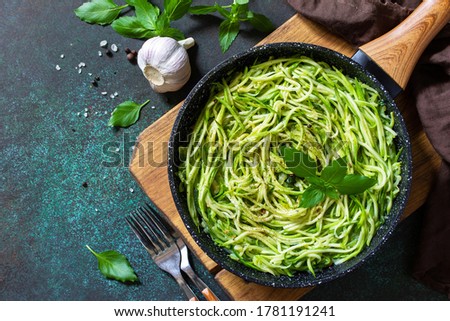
248, 291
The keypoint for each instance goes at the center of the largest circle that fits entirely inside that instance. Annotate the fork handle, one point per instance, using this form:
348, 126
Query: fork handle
187, 290
209, 295
206, 291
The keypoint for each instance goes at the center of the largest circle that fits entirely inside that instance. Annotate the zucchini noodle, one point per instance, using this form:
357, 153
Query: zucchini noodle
239, 189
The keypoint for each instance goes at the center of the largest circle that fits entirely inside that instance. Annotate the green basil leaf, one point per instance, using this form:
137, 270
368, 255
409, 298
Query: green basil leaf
241, 2
200, 10
260, 22
325, 187
126, 114
162, 23
146, 13
316, 180
132, 27
354, 184
298, 162
100, 12
331, 192
175, 9
311, 197
224, 12
228, 31
114, 265
239, 10
335, 172
172, 33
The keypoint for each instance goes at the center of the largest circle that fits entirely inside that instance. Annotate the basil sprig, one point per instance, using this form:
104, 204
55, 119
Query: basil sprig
332, 181
233, 15
147, 22
114, 265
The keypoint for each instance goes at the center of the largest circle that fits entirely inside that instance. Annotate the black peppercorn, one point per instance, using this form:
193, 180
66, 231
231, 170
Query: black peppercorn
132, 57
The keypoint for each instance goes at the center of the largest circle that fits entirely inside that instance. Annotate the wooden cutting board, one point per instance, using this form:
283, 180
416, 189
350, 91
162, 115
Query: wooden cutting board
149, 164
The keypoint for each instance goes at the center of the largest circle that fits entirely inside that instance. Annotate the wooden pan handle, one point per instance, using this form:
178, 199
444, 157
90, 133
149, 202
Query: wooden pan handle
398, 51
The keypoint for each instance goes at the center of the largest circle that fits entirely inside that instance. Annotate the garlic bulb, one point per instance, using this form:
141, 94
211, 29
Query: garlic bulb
165, 63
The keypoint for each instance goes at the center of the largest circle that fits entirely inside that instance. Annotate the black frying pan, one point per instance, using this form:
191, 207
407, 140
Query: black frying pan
400, 47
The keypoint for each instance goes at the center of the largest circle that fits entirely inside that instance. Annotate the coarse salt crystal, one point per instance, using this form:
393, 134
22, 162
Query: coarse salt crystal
114, 47
62, 56
104, 93
103, 43
100, 53
80, 70
131, 190
116, 94
58, 67
85, 115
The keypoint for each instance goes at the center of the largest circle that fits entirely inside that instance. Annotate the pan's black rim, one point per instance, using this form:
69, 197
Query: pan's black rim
190, 110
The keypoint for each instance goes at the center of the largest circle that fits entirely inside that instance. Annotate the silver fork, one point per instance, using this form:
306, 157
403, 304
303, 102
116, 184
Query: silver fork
165, 228
164, 252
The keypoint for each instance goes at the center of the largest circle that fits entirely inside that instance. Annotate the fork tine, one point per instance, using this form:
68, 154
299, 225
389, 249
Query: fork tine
158, 238
156, 220
146, 238
137, 231
154, 225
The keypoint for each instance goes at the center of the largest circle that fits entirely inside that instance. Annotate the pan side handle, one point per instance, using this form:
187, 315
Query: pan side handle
398, 51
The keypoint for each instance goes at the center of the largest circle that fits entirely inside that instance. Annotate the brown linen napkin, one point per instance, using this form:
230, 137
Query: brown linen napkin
359, 21
430, 84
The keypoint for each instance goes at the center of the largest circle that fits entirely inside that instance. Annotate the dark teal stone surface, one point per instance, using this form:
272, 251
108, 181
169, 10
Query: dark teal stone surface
48, 152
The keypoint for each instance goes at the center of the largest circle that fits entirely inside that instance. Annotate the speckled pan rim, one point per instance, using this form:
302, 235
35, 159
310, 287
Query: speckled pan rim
189, 112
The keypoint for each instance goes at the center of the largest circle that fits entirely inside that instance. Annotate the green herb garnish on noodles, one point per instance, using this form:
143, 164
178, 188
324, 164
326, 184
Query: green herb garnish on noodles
332, 180
244, 192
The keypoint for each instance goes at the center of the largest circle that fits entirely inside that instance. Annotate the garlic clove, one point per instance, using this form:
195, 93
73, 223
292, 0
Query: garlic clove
187, 43
153, 75
165, 63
